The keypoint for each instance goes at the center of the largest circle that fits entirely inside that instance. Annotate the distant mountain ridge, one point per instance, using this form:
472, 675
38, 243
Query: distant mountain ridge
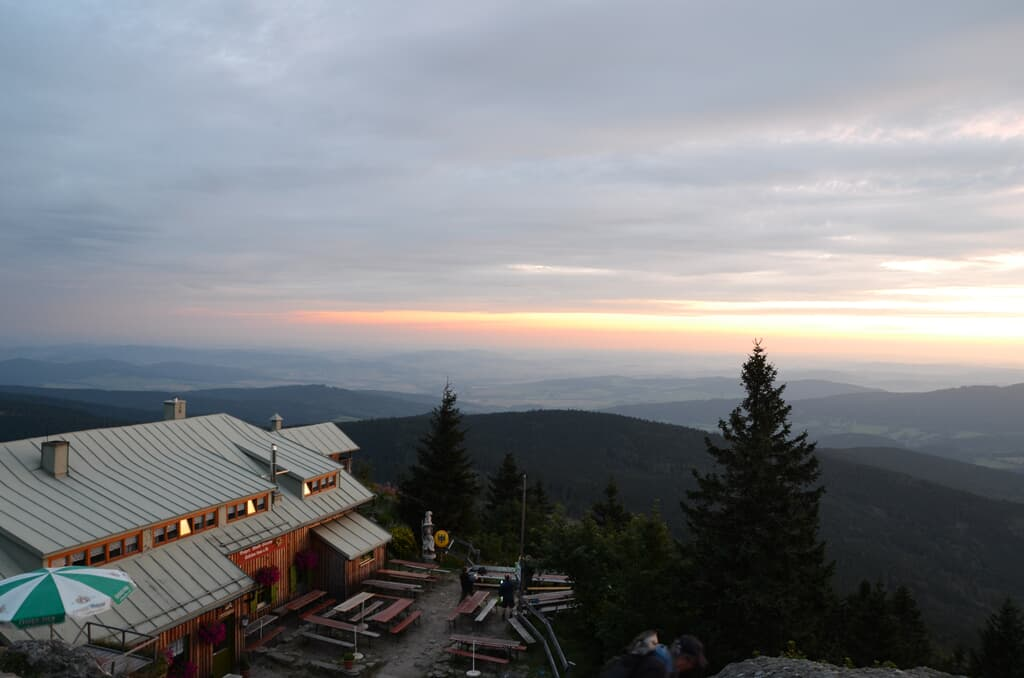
981, 424
297, 404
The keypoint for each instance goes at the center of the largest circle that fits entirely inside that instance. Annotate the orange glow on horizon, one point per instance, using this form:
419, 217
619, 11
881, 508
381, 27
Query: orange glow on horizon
870, 334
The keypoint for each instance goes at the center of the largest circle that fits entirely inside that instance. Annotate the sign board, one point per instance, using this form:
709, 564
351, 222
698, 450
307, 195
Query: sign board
257, 550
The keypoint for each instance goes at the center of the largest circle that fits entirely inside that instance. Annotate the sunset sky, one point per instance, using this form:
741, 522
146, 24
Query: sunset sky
845, 179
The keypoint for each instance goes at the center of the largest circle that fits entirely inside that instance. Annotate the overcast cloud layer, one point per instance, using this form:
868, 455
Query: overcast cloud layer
162, 162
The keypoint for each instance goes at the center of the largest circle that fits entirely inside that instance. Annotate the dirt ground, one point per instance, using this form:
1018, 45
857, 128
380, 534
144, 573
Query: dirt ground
416, 653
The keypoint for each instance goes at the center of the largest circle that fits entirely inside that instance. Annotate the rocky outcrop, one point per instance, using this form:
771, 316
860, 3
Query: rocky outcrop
29, 658
780, 667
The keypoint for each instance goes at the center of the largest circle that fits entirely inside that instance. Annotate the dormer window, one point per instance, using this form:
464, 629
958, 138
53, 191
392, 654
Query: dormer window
247, 507
96, 554
320, 484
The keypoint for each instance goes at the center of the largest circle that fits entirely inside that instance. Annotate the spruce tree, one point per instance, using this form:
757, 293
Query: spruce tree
504, 498
442, 480
610, 512
1002, 645
761, 574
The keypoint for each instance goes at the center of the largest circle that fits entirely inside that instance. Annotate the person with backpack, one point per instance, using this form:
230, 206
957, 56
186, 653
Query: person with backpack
640, 661
647, 658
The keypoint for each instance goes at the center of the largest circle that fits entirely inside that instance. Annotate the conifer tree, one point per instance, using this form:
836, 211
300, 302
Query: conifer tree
761, 575
442, 480
504, 497
610, 512
1002, 645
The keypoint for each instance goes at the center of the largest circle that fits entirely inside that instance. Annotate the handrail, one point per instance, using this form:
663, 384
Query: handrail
566, 664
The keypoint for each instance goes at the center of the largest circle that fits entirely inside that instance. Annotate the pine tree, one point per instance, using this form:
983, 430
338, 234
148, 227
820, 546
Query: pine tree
442, 480
1002, 645
762, 578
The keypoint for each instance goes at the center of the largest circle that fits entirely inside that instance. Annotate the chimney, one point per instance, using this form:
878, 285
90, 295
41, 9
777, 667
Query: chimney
174, 409
275, 422
55, 457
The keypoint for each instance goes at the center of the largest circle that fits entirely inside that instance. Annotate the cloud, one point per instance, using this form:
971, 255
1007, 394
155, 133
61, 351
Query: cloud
553, 157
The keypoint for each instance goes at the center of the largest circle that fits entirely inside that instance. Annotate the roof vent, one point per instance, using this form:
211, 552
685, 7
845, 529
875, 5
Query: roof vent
55, 457
275, 422
174, 409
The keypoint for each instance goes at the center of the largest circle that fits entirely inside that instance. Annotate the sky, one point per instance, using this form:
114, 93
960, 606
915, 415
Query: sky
841, 179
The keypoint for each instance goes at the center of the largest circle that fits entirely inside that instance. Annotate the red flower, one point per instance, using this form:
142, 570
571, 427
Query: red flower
213, 632
306, 560
268, 576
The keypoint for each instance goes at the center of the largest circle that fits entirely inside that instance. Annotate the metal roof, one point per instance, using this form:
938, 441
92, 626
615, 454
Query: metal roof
352, 535
172, 584
126, 478
325, 438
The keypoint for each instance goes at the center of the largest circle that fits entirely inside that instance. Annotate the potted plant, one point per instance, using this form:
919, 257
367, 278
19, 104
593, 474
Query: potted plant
348, 660
244, 667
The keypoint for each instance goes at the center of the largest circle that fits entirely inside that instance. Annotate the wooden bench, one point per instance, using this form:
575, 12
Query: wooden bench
402, 625
325, 639
413, 565
368, 610
340, 626
401, 587
296, 604
477, 655
521, 630
265, 638
486, 609
320, 607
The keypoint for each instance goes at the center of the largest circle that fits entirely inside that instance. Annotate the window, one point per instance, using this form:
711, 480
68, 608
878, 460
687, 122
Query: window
95, 554
366, 559
247, 507
319, 484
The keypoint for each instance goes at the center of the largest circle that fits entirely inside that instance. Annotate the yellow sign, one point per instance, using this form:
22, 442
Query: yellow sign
441, 539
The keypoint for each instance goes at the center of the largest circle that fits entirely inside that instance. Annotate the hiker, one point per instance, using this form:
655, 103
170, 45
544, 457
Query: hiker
507, 595
688, 657
466, 580
640, 661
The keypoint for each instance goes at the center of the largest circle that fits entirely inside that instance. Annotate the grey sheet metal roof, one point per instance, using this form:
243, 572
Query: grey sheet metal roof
126, 478
172, 584
352, 535
325, 438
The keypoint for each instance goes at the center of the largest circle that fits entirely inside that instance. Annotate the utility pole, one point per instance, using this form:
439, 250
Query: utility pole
522, 543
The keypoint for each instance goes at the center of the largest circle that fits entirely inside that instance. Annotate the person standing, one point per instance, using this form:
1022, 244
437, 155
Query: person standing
466, 580
507, 595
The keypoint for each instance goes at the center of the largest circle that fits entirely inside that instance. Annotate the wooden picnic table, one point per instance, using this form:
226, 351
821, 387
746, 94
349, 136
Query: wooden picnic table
413, 565
391, 611
353, 602
302, 601
507, 644
412, 576
471, 602
341, 626
258, 624
366, 611
393, 586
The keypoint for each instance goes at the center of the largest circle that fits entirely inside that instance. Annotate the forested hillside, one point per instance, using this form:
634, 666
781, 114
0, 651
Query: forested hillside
959, 552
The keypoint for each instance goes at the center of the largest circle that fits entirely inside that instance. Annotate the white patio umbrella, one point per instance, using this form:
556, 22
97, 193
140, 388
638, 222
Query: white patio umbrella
46, 595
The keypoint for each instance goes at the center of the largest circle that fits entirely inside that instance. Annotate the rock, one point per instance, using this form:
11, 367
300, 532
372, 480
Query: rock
780, 667
48, 658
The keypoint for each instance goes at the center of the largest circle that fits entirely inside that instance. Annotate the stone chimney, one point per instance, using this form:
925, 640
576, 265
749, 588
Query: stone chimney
275, 422
55, 457
174, 409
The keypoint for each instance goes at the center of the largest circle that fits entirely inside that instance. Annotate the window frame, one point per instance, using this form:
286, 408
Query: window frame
66, 558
